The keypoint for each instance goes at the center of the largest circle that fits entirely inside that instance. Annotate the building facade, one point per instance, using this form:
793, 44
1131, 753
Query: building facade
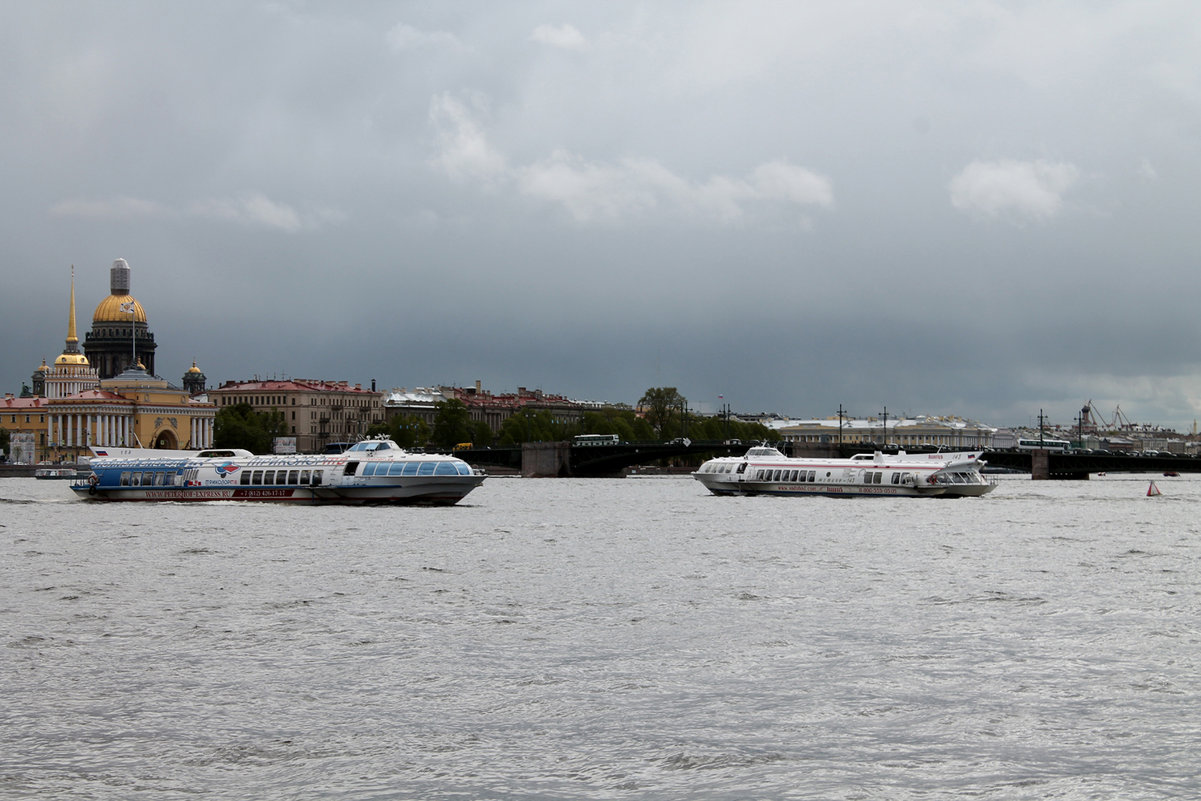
316, 413
919, 432
482, 405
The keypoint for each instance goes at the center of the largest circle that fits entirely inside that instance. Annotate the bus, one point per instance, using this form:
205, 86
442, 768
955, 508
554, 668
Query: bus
595, 439
1060, 445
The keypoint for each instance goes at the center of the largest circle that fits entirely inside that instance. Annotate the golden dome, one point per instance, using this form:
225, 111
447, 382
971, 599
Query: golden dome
71, 360
109, 310
193, 368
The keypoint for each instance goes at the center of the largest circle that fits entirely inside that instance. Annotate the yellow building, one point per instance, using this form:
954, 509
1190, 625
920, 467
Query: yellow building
74, 409
25, 421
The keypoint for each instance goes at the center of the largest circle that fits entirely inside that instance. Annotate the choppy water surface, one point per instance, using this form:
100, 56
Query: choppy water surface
605, 639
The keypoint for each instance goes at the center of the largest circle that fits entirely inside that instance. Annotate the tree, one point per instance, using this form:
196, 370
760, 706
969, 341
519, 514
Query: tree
718, 428
623, 422
4, 441
481, 436
409, 431
452, 423
663, 407
240, 426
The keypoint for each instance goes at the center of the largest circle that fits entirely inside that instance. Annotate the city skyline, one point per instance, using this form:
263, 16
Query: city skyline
982, 211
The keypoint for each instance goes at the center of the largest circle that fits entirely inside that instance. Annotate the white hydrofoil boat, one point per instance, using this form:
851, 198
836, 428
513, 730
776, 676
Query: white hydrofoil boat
374, 471
766, 471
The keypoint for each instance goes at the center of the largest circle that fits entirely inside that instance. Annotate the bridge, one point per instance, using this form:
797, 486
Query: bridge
565, 459
1078, 465
1072, 465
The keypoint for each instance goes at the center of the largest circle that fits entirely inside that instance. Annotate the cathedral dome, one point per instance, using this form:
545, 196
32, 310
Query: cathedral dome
109, 310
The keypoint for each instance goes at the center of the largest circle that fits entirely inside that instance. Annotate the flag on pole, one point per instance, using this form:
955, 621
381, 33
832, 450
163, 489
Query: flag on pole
127, 307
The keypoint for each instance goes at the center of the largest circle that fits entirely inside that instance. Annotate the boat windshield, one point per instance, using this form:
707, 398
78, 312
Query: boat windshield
768, 452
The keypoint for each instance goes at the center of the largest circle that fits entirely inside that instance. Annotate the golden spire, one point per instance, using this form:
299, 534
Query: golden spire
71, 355
71, 337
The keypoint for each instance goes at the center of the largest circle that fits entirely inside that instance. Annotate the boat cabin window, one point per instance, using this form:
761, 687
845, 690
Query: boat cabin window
351, 467
304, 476
268, 476
125, 478
244, 479
411, 468
446, 469
293, 476
426, 469
256, 477
317, 476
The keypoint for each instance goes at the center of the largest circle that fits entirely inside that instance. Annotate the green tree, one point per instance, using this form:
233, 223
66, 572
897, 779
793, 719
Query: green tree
481, 434
625, 423
529, 425
452, 423
4, 441
240, 426
663, 408
409, 431
717, 428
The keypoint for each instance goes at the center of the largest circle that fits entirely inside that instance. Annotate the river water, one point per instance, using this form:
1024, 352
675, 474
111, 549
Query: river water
605, 639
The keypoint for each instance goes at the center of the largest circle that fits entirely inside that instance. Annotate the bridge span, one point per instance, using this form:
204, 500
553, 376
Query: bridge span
565, 459
1073, 465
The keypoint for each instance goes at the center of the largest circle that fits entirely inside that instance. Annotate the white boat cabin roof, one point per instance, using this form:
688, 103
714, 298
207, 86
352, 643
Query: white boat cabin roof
374, 447
764, 452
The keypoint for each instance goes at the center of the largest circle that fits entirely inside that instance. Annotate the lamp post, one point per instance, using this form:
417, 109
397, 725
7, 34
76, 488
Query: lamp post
841, 414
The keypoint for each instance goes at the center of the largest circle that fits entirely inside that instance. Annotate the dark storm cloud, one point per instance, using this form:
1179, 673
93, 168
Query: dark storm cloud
981, 210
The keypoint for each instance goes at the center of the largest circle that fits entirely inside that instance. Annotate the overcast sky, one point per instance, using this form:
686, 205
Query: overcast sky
973, 208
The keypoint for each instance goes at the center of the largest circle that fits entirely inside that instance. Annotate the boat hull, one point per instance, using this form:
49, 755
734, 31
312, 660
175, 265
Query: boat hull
440, 493
748, 488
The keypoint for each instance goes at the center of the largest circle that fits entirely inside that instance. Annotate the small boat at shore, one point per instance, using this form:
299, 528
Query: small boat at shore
57, 473
376, 471
766, 471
